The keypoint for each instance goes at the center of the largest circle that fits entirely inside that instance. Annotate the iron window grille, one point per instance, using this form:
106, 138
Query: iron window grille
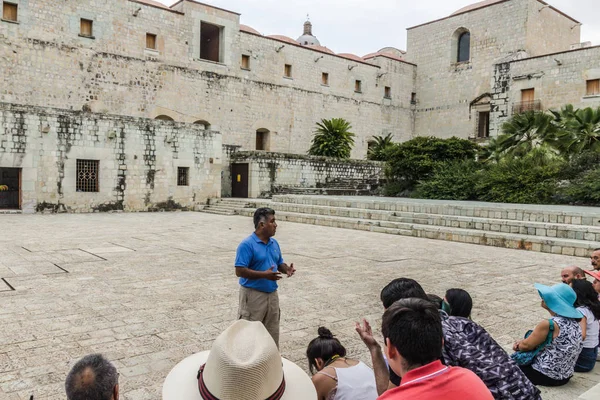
87, 175
183, 176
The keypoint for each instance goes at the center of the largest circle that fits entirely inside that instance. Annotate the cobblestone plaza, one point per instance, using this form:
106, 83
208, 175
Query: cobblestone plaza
149, 289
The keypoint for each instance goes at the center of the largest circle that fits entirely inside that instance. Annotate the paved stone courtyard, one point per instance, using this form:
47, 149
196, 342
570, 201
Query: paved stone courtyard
149, 289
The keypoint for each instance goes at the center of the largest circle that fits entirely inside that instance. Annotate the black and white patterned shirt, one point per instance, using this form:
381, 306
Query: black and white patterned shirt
557, 360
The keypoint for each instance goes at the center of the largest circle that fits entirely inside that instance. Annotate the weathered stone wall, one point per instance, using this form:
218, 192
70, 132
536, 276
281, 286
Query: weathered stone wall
271, 173
446, 90
138, 160
44, 61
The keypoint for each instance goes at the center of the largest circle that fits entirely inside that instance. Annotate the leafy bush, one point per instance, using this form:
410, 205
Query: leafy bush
416, 159
454, 180
378, 146
532, 179
585, 189
332, 139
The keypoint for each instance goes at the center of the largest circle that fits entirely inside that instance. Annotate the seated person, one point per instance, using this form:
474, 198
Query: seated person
568, 274
436, 300
555, 363
466, 345
243, 363
596, 281
457, 303
588, 304
412, 330
92, 377
338, 377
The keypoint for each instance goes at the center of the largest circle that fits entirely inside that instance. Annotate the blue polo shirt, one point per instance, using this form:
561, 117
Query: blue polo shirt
253, 253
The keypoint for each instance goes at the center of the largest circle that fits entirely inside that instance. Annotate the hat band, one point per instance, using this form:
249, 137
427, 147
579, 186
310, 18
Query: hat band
207, 395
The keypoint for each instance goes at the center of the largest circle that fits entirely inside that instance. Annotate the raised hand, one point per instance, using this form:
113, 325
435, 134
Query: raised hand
291, 270
366, 334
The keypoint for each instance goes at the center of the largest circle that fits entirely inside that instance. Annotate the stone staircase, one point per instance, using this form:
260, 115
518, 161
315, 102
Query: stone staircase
550, 229
226, 206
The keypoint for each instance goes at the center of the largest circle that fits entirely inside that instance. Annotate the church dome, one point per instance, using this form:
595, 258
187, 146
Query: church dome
307, 38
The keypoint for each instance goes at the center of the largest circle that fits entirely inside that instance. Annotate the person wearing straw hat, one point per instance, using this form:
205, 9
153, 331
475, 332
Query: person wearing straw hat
555, 363
259, 265
243, 364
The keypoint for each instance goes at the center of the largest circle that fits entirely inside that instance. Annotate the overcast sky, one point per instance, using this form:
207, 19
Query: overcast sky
365, 26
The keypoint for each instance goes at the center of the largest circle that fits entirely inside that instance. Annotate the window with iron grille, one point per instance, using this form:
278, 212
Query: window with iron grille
183, 176
87, 175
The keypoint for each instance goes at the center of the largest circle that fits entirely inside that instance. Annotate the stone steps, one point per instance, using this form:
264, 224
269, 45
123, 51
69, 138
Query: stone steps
498, 239
562, 231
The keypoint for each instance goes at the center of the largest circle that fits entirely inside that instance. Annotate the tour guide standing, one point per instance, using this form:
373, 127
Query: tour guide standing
259, 265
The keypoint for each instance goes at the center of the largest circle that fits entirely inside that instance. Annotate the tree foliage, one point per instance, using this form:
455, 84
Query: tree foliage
332, 138
378, 147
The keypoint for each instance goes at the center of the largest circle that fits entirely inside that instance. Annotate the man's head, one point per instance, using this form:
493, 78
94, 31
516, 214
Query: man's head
570, 273
595, 259
401, 288
92, 378
412, 330
264, 221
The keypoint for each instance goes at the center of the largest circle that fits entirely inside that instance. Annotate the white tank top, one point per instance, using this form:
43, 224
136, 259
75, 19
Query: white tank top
356, 383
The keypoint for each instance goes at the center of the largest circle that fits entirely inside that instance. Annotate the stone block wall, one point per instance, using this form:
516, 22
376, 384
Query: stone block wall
271, 173
45, 62
138, 160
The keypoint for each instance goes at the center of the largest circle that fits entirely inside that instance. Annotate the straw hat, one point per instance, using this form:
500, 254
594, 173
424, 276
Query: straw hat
560, 299
243, 364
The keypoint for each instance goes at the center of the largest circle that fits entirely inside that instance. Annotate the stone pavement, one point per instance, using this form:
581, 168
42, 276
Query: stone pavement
149, 289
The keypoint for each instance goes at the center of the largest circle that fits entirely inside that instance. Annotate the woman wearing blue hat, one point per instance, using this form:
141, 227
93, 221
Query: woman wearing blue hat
554, 364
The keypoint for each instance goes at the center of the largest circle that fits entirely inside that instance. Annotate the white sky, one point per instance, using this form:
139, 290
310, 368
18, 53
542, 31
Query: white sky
365, 26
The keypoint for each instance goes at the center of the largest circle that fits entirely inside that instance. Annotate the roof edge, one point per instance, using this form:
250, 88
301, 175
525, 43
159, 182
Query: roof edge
558, 11
207, 5
390, 58
165, 8
310, 49
555, 54
455, 15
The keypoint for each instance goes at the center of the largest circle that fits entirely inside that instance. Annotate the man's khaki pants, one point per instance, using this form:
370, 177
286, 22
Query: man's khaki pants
260, 306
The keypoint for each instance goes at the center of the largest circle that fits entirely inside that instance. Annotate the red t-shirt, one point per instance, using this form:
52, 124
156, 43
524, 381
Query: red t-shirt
437, 381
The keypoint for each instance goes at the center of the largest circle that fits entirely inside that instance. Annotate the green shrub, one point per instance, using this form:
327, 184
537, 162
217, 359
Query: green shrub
585, 189
532, 179
332, 138
453, 180
416, 159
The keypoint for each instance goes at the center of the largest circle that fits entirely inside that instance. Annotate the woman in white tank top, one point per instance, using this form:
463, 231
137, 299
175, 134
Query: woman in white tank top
337, 377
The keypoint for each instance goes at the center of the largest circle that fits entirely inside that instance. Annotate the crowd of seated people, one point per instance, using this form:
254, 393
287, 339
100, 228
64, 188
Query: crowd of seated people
432, 349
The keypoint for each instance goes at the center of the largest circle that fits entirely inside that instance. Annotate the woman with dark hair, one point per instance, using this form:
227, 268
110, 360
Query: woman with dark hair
588, 304
338, 377
457, 303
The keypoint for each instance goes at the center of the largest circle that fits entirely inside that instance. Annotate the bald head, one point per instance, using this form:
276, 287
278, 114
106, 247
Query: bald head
570, 273
595, 259
92, 378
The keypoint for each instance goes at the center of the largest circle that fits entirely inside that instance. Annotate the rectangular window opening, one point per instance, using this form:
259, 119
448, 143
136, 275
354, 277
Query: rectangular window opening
262, 140
287, 71
245, 61
183, 175
387, 92
86, 27
413, 98
593, 87
483, 126
358, 86
325, 79
9, 11
151, 41
87, 175
210, 42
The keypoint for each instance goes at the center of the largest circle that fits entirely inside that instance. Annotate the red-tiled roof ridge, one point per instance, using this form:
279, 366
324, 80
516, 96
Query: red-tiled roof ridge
249, 29
283, 38
351, 56
319, 48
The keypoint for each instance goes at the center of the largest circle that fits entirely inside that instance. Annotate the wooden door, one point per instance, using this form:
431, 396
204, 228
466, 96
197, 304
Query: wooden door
527, 95
239, 180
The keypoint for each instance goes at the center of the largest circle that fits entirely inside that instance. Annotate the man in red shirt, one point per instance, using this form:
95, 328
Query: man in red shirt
412, 330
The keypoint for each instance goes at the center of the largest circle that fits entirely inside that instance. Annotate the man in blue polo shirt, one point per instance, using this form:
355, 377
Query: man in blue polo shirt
259, 265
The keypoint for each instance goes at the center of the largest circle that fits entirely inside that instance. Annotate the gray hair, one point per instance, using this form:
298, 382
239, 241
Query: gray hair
261, 214
91, 378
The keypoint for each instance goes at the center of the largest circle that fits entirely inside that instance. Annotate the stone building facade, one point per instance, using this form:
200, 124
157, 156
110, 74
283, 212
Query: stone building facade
195, 69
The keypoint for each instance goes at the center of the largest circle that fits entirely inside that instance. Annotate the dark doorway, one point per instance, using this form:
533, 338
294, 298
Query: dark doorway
10, 188
210, 42
239, 180
483, 128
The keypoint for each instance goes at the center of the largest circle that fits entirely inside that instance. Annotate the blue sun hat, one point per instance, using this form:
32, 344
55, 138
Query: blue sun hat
560, 299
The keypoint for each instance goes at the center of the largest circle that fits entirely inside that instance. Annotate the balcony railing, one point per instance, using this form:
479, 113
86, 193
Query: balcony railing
523, 106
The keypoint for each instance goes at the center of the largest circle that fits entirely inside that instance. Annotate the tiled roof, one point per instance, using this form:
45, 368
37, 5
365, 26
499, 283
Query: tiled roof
319, 48
383, 54
246, 28
153, 3
351, 56
283, 38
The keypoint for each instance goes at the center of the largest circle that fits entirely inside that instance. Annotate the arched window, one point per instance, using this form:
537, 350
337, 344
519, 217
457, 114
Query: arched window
204, 123
262, 139
163, 117
464, 47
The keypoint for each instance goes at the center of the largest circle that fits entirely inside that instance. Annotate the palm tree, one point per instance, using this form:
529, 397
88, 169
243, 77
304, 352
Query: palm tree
578, 130
491, 153
332, 138
377, 147
526, 131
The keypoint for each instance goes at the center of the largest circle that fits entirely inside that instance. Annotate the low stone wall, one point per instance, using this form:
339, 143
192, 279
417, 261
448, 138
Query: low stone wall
137, 160
280, 173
